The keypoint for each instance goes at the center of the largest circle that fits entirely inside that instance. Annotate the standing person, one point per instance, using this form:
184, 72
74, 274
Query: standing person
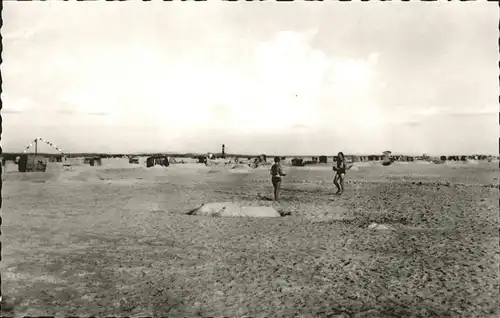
276, 173
340, 169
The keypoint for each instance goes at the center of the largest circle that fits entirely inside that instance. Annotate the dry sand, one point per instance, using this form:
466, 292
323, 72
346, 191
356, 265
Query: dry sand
115, 240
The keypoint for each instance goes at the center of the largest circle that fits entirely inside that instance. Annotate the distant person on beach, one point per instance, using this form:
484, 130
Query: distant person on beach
276, 173
340, 169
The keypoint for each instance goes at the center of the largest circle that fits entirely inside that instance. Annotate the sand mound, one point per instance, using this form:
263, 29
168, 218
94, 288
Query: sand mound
423, 162
158, 167
239, 168
229, 209
211, 163
52, 173
115, 162
85, 175
472, 162
379, 227
365, 164
10, 166
214, 170
31, 176
354, 168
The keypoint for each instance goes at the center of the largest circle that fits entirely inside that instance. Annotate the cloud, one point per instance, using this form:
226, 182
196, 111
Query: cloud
13, 105
373, 58
432, 111
343, 88
300, 126
462, 111
471, 114
412, 124
90, 99
288, 78
11, 111
66, 112
297, 84
98, 114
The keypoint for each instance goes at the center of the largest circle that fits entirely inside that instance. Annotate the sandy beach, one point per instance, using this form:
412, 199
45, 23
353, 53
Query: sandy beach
116, 240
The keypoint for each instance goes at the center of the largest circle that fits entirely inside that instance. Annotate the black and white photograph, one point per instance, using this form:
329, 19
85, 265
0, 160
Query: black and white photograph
220, 158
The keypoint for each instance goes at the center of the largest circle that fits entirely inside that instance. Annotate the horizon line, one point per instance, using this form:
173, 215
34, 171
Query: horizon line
241, 154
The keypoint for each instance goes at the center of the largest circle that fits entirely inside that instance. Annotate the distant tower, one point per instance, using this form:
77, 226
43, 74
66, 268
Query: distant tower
223, 151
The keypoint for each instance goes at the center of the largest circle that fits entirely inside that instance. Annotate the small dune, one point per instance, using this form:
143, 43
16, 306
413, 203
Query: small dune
231, 209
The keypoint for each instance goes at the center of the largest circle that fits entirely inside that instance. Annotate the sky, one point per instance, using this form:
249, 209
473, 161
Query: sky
299, 78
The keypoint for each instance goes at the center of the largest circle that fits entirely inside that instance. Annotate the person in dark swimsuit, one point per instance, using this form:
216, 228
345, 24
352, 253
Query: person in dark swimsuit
276, 173
340, 169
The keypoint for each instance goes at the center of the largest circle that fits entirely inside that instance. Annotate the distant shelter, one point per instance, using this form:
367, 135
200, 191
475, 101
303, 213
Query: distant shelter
32, 163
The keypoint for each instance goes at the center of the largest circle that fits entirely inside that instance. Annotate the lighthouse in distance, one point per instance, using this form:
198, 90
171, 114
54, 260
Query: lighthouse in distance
223, 155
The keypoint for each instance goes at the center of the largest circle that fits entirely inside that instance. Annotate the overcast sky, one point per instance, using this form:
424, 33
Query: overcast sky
282, 78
